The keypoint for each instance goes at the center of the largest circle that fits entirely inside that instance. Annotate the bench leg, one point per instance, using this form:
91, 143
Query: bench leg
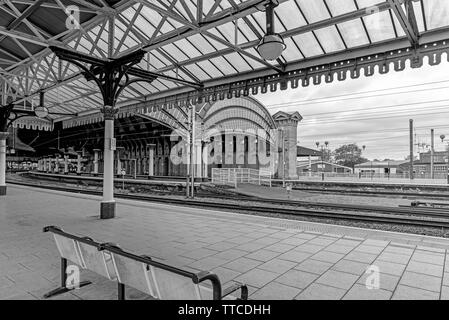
63, 289
121, 291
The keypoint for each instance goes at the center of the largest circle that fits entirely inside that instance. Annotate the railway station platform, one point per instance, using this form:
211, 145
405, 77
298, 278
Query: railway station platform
280, 193
276, 258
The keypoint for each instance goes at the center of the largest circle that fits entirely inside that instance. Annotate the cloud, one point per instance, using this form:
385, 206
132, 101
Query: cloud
379, 119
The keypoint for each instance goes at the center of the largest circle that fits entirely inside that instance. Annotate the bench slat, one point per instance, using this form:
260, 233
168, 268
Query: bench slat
97, 261
172, 286
133, 273
68, 249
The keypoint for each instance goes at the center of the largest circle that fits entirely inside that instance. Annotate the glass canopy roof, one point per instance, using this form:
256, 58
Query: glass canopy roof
211, 43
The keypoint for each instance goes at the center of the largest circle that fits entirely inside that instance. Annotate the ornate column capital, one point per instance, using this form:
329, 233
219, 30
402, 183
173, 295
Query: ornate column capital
109, 112
150, 146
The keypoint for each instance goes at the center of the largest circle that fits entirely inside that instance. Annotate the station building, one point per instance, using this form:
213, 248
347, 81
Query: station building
233, 133
383, 167
422, 167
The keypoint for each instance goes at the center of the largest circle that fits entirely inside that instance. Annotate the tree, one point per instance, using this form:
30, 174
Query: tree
326, 155
349, 155
414, 158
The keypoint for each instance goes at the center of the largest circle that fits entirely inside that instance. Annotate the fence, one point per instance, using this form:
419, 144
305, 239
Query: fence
233, 176
439, 178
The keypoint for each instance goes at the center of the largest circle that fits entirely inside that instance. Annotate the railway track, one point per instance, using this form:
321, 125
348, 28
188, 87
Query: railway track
380, 193
356, 213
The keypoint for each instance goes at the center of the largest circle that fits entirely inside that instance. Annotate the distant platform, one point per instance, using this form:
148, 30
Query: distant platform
393, 183
159, 180
279, 193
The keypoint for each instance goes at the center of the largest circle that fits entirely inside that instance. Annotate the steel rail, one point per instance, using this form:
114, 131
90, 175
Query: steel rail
391, 218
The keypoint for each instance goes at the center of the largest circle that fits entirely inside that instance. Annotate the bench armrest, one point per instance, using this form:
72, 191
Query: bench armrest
216, 284
235, 287
50, 228
105, 245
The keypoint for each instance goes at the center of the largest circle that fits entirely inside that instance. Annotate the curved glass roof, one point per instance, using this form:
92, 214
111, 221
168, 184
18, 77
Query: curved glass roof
211, 43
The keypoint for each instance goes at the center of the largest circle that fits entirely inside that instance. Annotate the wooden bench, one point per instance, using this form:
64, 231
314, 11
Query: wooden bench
159, 280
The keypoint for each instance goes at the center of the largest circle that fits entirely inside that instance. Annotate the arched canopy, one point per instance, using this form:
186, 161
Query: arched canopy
203, 51
242, 113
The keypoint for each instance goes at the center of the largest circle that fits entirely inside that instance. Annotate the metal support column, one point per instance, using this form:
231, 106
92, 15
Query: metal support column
66, 164
151, 159
96, 151
411, 148
107, 209
432, 150
3, 136
192, 151
78, 163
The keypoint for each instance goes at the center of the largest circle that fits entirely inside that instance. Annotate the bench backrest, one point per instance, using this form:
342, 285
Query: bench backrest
68, 249
153, 278
99, 262
157, 282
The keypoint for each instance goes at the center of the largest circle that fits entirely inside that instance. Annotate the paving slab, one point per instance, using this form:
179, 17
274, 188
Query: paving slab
361, 292
296, 278
338, 279
276, 258
318, 291
275, 291
409, 293
421, 281
314, 266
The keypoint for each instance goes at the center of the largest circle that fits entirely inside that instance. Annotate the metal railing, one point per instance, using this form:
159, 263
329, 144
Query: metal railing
424, 178
233, 176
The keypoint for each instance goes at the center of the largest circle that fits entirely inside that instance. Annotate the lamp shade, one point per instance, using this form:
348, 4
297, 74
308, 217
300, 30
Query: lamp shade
41, 111
271, 47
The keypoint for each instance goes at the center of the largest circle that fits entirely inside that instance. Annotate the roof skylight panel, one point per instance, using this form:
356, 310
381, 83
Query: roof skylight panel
156, 61
419, 16
398, 26
201, 43
143, 26
290, 15
175, 52
379, 26
198, 72
353, 33
308, 44
437, 13
313, 10
329, 39
188, 48
339, 7
149, 15
213, 42
291, 52
211, 69
236, 60
224, 65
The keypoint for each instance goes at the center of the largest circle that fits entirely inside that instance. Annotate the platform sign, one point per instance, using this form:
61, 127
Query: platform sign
113, 145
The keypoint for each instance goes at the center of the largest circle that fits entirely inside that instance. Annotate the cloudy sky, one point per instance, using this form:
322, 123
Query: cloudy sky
371, 111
